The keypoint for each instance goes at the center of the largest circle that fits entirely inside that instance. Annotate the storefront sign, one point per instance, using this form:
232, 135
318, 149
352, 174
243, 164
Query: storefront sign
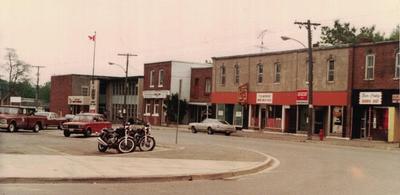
14, 99
302, 96
156, 94
220, 113
264, 98
396, 98
78, 100
374, 98
243, 94
238, 114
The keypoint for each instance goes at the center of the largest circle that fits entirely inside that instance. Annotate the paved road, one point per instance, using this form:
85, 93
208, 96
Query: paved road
304, 168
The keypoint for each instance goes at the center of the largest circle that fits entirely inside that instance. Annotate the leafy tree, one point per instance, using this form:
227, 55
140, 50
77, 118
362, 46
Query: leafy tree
395, 33
343, 33
44, 92
171, 104
24, 89
18, 71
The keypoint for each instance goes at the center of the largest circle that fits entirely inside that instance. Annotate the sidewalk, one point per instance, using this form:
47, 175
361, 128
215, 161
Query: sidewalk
303, 138
187, 163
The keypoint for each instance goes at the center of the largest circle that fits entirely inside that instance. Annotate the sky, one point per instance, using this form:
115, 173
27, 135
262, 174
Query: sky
54, 33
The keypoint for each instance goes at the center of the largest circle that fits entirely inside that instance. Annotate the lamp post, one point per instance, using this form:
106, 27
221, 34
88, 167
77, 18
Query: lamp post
310, 89
125, 86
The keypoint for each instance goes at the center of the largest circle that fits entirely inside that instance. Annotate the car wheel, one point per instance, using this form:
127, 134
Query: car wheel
36, 128
88, 133
193, 129
210, 131
12, 127
67, 133
102, 148
227, 133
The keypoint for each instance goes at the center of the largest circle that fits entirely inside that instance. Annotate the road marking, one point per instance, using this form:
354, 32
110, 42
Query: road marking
54, 150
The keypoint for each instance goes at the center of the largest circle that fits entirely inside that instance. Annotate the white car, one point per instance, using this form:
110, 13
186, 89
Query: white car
210, 126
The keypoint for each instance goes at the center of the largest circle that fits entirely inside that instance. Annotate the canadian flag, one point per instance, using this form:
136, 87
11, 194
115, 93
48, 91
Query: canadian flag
92, 38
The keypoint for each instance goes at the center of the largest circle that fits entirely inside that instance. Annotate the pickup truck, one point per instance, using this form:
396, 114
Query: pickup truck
14, 118
52, 119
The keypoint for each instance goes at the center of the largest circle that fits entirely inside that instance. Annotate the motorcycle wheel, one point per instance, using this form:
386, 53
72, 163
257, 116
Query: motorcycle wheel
128, 147
102, 148
147, 146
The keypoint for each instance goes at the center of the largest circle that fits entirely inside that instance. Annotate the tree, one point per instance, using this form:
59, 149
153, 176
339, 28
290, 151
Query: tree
44, 92
344, 33
395, 33
18, 71
171, 104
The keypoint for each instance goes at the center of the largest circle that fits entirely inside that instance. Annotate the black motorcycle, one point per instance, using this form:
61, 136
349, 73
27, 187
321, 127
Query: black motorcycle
143, 138
118, 138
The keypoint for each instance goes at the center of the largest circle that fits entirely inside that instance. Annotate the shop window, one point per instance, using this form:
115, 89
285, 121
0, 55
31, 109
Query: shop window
397, 66
369, 67
147, 109
160, 78
136, 89
155, 108
331, 70
151, 78
277, 73
222, 75
260, 72
237, 72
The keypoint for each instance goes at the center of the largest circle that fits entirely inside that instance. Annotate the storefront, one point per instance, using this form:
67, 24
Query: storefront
78, 104
153, 111
376, 115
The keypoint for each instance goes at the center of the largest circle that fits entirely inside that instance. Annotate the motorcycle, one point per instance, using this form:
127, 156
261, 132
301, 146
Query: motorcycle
119, 138
143, 138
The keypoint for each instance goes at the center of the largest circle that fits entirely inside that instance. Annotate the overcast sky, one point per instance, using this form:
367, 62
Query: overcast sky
54, 33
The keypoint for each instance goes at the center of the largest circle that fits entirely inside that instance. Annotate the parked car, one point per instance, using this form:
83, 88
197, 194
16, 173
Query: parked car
69, 117
86, 124
212, 125
52, 119
13, 118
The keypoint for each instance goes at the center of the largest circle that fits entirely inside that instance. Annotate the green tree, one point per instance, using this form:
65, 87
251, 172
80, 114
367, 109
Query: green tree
24, 89
171, 104
345, 33
44, 92
395, 33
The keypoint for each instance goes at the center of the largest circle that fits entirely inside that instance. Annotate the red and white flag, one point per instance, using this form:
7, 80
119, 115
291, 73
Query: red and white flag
92, 38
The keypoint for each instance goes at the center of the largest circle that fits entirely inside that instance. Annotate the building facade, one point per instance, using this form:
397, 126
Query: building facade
268, 91
162, 79
200, 95
376, 98
71, 94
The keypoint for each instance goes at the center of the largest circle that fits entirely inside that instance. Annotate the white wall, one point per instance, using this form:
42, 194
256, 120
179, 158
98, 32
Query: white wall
182, 70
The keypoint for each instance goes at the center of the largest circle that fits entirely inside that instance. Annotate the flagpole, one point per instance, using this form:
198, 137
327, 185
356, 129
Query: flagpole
94, 57
92, 106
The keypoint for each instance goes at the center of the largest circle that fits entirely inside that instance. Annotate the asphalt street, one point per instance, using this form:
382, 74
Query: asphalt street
304, 168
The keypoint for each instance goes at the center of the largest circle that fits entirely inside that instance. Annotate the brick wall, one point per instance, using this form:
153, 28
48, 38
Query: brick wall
385, 57
61, 88
166, 66
197, 92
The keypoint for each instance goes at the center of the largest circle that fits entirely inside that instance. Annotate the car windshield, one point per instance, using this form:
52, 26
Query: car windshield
84, 118
224, 122
7, 110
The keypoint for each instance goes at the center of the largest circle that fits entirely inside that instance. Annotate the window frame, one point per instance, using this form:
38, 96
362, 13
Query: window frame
161, 78
367, 67
222, 70
237, 74
260, 74
330, 71
151, 78
397, 66
277, 74
147, 109
207, 86
87, 90
156, 107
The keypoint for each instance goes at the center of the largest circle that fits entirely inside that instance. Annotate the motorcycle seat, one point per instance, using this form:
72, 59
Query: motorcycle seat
109, 130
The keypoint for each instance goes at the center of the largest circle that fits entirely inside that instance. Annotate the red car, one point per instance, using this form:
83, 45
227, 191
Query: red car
86, 124
52, 119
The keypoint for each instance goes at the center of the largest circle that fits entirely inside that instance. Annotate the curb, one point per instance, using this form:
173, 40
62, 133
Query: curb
269, 162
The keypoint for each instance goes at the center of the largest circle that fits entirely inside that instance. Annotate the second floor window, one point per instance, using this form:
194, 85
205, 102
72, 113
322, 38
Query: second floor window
207, 89
237, 74
397, 67
369, 67
277, 73
222, 76
85, 91
331, 70
151, 78
160, 78
260, 72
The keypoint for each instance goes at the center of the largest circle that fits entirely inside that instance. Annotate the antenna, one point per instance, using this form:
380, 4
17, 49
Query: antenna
261, 37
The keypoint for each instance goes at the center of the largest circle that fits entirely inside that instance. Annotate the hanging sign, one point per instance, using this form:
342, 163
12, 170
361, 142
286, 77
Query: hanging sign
374, 98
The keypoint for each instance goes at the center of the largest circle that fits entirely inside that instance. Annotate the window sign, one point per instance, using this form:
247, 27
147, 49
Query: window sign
374, 98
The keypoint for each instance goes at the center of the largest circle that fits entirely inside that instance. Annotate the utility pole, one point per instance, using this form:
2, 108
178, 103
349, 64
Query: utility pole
124, 111
37, 84
308, 26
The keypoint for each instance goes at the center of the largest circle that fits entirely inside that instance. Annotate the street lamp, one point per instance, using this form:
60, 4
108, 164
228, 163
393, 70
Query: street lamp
124, 111
285, 38
309, 83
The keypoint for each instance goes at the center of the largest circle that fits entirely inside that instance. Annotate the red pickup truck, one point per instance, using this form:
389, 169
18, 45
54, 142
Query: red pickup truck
14, 118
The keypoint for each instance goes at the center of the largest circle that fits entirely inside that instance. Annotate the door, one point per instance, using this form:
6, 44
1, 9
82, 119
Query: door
319, 120
263, 117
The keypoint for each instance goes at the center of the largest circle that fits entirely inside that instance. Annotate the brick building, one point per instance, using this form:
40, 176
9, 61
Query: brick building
269, 90
376, 84
161, 79
200, 95
70, 94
